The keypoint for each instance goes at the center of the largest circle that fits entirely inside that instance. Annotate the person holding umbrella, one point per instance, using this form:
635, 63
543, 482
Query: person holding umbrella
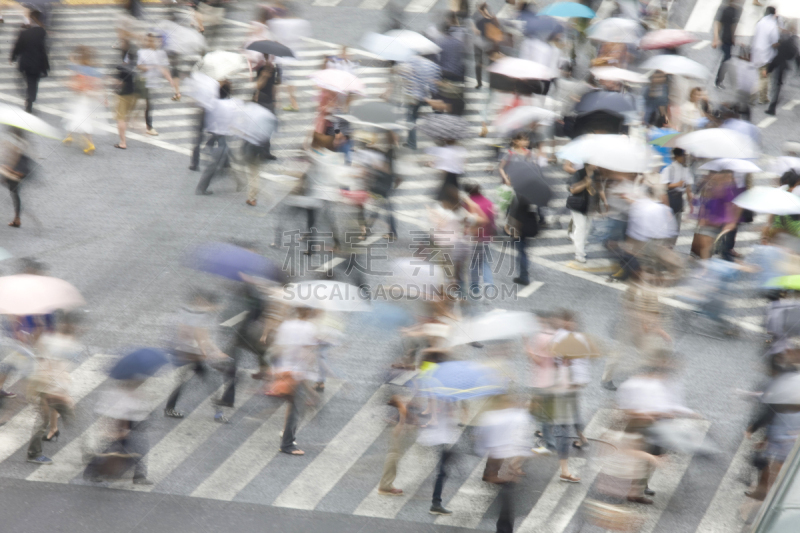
30, 50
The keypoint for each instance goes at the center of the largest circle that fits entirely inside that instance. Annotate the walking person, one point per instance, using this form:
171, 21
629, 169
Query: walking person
524, 224
153, 61
16, 165
127, 96
421, 76
85, 82
252, 154
30, 53
480, 263
440, 432
581, 201
763, 49
725, 24
679, 180
787, 51
219, 118
401, 439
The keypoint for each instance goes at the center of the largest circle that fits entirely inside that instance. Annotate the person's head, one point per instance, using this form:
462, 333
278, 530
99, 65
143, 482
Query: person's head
450, 199
770, 11
679, 155
35, 16
565, 319
790, 179
696, 94
472, 188
84, 55
520, 140
264, 15
153, 41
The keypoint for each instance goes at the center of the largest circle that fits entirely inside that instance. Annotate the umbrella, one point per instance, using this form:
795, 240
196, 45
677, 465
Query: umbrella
181, 40
616, 30
338, 81
618, 74
618, 153
376, 112
139, 364
522, 117
327, 295
541, 27
664, 139
221, 65
785, 163
784, 390
414, 41
17, 118
769, 200
568, 10
528, 182
418, 272
608, 101
494, 326
573, 345
254, 123
230, 261
678, 65
522, 69
734, 165
270, 48
669, 38
202, 88
27, 294
715, 143
446, 127
462, 380
386, 46
745, 127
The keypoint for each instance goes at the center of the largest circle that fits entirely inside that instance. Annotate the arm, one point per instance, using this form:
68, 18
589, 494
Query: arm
503, 174
16, 50
171, 80
715, 41
580, 186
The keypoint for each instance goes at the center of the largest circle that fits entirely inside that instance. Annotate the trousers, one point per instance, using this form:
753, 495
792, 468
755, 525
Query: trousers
402, 438
219, 158
444, 459
40, 430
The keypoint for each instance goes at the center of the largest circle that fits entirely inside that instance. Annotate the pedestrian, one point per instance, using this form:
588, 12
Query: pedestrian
127, 96
679, 180
30, 51
449, 159
581, 201
763, 49
401, 439
656, 100
154, 63
451, 58
519, 152
486, 29
481, 236
421, 76
219, 117
16, 165
695, 113
787, 51
524, 223
209, 18
252, 154
85, 82
717, 214
289, 31
725, 24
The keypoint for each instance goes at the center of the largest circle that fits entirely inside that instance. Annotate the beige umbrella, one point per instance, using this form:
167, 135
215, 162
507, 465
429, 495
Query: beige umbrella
27, 294
573, 345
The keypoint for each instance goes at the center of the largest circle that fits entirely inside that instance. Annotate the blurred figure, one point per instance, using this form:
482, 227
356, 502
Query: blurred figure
763, 49
581, 202
656, 100
524, 223
421, 76
210, 16
30, 50
449, 158
401, 439
481, 235
153, 61
679, 180
127, 96
787, 51
85, 82
725, 24
16, 165
717, 213
218, 123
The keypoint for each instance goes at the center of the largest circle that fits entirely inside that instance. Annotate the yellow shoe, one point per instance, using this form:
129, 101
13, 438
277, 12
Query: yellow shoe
68, 140
89, 150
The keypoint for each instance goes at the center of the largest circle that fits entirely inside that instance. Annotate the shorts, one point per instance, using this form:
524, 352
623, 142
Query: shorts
709, 231
125, 105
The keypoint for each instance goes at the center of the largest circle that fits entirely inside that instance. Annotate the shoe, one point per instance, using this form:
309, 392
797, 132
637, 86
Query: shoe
581, 260
194, 168
476, 344
152, 131
6, 394
290, 108
142, 481
609, 385
569, 478
251, 202
519, 281
172, 413
220, 418
649, 492
89, 150
41, 460
270, 157
542, 450
770, 112
390, 492
640, 499
204, 193
294, 450
438, 509
53, 437
67, 140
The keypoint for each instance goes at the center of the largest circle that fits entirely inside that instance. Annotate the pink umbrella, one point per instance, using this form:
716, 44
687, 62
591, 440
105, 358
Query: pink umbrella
659, 39
522, 69
338, 81
26, 294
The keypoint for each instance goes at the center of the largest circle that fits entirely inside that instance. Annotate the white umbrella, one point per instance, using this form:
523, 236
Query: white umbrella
786, 163
181, 39
202, 89
522, 69
522, 117
386, 46
769, 200
254, 123
327, 295
221, 65
27, 294
494, 326
715, 143
616, 30
338, 81
734, 165
679, 65
618, 153
415, 41
618, 74
18, 118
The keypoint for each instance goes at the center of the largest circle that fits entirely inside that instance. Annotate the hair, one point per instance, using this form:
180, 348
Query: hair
84, 55
472, 188
790, 178
450, 195
36, 16
678, 152
519, 136
264, 14
770, 10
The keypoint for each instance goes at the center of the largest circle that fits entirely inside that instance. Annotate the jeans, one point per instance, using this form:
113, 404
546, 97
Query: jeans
346, 148
197, 368
292, 419
219, 158
726, 55
413, 114
777, 84
505, 520
522, 255
441, 475
480, 263
614, 230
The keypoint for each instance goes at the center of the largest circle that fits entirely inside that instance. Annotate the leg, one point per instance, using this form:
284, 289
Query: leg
148, 112
726, 55
478, 56
32, 81
441, 476
763, 85
194, 163
13, 188
292, 420
580, 230
214, 166
413, 114
505, 521
777, 83
399, 443
522, 257
39, 431
139, 444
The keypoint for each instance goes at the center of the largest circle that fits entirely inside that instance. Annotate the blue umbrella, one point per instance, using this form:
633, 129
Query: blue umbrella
462, 380
139, 364
568, 10
230, 261
541, 27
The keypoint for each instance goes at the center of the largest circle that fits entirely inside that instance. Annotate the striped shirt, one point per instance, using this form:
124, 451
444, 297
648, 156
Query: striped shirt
421, 76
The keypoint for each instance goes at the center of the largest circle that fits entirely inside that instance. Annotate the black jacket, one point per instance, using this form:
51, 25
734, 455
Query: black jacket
787, 50
31, 50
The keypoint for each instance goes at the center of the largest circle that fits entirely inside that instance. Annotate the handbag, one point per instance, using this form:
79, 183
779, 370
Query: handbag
283, 385
579, 202
492, 32
675, 198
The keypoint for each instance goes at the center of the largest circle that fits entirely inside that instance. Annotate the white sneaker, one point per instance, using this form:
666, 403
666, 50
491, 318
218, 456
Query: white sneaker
580, 259
542, 450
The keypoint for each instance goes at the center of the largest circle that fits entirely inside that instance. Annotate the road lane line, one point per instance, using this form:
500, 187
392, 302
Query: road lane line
767, 122
420, 6
330, 264
702, 17
718, 517
530, 289
373, 4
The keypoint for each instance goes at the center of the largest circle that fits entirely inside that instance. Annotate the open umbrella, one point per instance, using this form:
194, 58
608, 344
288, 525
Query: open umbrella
231, 261
494, 326
462, 380
612, 102
678, 65
271, 48
618, 74
522, 117
522, 69
139, 364
568, 10
669, 38
784, 390
388, 47
221, 65
734, 165
528, 182
338, 81
446, 127
616, 30
574, 345
27, 294
327, 295
618, 153
784, 164
415, 41
541, 27
769, 200
716, 143
18, 118
253, 123
181, 40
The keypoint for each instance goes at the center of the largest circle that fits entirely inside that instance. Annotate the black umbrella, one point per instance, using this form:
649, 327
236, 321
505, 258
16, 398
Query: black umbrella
528, 182
271, 48
540, 26
610, 102
598, 122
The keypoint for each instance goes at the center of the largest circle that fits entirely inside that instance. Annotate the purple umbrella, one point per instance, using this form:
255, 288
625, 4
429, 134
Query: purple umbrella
230, 261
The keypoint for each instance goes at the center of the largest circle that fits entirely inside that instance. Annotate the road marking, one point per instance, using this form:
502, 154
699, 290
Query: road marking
420, 6
326, 3
767, 122
702, 17
330, 264
790, 105
234, 320
373, 4
700, 45
718, 517
750, 15
530, 289
254, 454
471, 501
318, 478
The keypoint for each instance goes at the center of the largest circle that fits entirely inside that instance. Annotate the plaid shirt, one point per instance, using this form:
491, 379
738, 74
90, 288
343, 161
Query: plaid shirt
421, 76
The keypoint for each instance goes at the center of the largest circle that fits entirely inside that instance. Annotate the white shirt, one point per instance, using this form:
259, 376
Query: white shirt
649, 219
296, 338
649, 395
448, 158
765, 35
153, 59
505, 433
676, 172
